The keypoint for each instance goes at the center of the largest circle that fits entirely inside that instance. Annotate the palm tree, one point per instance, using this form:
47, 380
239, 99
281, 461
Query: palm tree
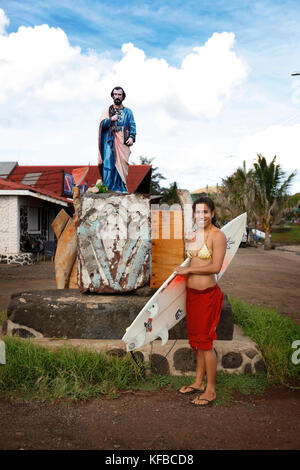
237, 194
170, 195
271, 193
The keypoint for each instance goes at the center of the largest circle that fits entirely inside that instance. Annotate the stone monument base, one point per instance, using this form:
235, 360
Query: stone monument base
57, 318
69, 314
240, 355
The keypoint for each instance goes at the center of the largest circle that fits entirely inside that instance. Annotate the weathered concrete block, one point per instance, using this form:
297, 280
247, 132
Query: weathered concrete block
114, 242
67, 313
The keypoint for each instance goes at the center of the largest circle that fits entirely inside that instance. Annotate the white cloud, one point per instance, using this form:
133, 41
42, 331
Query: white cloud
279, 140
41, 62
52, 95
4, 21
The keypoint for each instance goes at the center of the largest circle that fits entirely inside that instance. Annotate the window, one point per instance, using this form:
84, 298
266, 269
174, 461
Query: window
34, 220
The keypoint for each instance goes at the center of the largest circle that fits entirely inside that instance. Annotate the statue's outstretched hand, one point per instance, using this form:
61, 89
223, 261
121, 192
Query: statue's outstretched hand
129, 141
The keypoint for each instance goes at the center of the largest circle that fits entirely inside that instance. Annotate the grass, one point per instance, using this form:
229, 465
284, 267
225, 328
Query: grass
292, 237
40, 373
274, 334
226, 384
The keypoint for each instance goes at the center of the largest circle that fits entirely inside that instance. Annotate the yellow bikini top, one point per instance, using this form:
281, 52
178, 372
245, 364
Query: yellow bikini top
203, 253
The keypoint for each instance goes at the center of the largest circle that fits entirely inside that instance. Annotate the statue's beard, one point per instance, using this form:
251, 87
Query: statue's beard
118, 101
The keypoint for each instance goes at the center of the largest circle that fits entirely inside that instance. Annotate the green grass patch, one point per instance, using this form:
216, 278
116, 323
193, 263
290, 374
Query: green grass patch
226, 384
292, 237
38, 372
274, 334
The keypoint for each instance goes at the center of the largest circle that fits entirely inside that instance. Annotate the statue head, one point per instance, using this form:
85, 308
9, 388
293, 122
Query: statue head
118, 95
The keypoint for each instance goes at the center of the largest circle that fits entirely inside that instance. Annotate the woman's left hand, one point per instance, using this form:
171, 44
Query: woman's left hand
182, 270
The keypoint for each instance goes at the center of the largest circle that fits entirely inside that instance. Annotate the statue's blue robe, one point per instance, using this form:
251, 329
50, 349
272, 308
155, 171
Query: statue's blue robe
110, 175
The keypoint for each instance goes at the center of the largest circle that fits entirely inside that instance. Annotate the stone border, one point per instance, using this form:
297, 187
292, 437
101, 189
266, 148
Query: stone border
240, 355
24, 259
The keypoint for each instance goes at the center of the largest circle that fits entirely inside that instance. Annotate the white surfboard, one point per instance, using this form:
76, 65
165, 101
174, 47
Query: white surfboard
167, 306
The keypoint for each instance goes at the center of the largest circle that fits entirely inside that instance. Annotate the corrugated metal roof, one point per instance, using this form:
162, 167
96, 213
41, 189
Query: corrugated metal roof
51, 177
12, 185
6, 168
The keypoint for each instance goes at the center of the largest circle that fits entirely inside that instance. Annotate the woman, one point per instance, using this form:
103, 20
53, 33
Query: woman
204, 298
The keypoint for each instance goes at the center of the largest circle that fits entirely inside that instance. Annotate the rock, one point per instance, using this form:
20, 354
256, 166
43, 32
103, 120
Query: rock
23, 259
145, 291
140, 357
248, 369
260, 366
159, 364
232, 360
224, 329
69, 314
117, 352
22, 333
185, 360
251, 353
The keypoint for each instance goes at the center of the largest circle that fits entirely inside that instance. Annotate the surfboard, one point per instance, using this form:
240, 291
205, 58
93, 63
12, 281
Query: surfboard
167, 306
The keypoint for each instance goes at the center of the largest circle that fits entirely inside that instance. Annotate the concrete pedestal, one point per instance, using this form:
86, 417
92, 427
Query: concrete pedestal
113, 242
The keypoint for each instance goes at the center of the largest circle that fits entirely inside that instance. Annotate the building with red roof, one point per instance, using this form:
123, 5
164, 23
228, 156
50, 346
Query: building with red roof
52, 178
31, 197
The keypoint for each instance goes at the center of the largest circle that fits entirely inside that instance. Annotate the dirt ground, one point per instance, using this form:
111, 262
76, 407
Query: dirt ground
269, 421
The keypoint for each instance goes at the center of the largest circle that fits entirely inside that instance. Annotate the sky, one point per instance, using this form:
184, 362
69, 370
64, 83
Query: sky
209, 83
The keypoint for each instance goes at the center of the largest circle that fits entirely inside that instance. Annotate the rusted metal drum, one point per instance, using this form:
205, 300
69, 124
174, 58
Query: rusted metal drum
113, 242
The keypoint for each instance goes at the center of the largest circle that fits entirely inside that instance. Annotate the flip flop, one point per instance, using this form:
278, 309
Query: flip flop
209, 402
194, 390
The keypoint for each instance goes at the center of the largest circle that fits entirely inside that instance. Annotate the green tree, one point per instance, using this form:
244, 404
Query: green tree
237, 195
271, 193
156, 176
262, 192
170, 195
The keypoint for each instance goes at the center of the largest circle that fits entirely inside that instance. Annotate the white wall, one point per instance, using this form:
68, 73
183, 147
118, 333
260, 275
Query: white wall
9, 224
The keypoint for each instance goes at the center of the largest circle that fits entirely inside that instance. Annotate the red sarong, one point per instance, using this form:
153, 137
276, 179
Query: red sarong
203, 310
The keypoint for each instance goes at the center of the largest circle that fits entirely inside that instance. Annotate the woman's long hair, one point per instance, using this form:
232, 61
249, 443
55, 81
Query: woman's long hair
210, 203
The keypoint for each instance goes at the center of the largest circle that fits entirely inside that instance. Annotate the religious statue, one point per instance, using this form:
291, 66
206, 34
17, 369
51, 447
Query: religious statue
117, 132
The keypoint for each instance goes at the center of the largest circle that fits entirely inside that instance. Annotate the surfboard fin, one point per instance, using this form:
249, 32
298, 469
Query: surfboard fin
164, 335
